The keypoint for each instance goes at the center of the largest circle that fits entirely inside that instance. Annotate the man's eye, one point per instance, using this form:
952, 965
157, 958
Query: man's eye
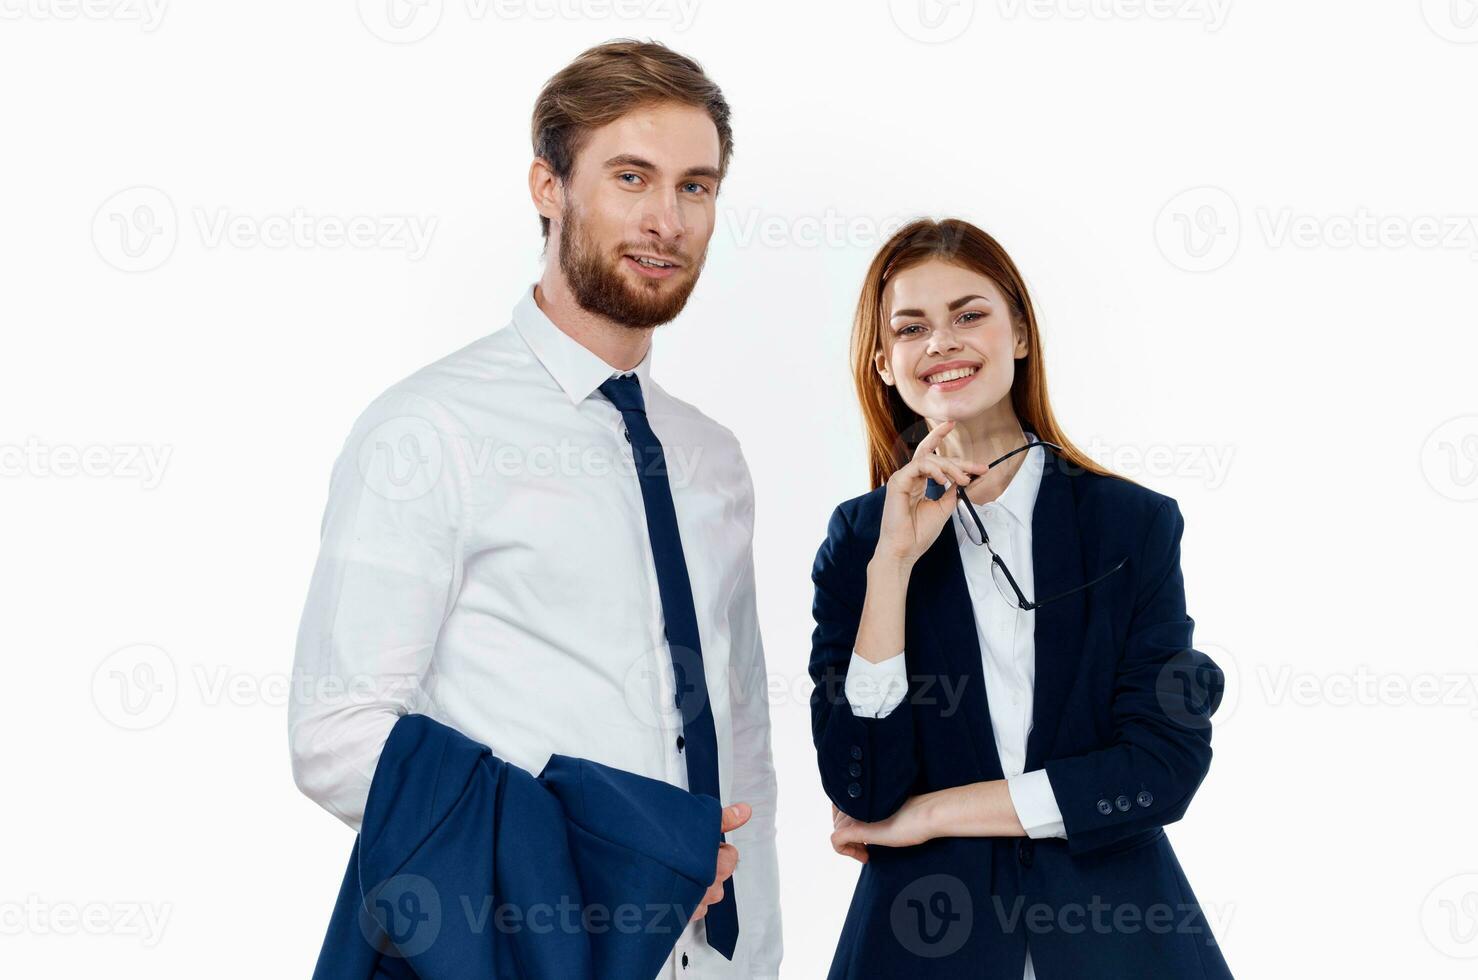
693, 188
634, 177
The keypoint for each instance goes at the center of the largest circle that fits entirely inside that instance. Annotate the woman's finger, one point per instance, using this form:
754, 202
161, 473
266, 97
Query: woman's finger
931, 441
968, 465
951, 468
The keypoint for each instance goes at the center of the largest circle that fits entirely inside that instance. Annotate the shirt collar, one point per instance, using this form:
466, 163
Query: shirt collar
576, 368
1019, 498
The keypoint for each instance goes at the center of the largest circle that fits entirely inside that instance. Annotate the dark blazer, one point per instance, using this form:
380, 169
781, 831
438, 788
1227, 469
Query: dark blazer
466, 866
1121, 722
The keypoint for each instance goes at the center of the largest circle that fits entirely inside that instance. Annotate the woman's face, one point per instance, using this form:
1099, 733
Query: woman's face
949, 345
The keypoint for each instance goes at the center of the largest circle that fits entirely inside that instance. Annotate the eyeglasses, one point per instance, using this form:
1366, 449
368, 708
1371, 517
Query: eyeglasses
1001, 575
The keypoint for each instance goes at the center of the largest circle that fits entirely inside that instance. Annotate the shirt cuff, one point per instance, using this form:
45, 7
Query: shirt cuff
1036, 805
873, 690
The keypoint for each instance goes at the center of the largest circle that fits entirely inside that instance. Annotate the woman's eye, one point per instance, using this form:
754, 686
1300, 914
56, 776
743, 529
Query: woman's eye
909, 329
971, 316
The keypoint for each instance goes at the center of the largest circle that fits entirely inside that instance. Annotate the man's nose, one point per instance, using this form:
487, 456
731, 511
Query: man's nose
662, 218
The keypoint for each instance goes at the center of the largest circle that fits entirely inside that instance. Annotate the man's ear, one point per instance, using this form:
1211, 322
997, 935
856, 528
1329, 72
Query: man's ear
880, 361
545, 189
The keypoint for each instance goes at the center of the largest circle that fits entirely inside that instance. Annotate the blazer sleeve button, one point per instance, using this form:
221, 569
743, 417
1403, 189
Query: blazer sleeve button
855, 769
1144, 798
1122, 803
854, 790
1105, 807
856, 751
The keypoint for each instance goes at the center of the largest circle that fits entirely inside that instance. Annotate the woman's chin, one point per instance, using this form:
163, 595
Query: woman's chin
956, 407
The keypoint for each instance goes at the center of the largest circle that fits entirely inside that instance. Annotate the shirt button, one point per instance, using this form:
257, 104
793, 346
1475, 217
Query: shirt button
854, 790
685, 961
680, 743
626, 432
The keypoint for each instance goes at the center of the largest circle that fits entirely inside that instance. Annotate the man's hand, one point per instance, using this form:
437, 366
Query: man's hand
734, 817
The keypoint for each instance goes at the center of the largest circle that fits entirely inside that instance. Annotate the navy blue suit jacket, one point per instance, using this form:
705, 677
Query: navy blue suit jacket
466, 866
1121, 715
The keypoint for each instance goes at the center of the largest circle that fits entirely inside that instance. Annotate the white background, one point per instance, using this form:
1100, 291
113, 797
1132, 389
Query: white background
1250, 231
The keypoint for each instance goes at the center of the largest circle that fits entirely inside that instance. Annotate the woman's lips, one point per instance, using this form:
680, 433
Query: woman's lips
954, 384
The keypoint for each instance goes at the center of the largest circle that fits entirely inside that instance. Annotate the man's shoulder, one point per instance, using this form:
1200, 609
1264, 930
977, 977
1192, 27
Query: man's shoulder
498, 356
451, 388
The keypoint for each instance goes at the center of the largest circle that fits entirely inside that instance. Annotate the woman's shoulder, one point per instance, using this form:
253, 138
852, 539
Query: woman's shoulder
852, 529
1121, 500
861, 515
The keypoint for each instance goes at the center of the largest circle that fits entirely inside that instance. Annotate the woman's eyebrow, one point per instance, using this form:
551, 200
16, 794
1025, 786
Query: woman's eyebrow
952, 307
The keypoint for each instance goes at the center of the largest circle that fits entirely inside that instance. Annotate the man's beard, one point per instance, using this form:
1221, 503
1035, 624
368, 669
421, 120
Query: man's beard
599, 287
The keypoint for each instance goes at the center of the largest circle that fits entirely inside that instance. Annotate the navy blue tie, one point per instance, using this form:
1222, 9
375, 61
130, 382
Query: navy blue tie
698, 742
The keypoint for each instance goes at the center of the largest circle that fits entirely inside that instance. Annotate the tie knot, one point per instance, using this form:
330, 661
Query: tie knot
625, 393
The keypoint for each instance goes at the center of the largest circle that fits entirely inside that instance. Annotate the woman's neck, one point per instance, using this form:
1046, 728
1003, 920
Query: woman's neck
985, 438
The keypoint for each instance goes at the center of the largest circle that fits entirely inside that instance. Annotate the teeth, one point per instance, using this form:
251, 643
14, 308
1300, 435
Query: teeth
951, 375
653, 263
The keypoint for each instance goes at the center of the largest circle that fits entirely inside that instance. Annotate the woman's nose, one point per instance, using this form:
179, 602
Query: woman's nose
943, 340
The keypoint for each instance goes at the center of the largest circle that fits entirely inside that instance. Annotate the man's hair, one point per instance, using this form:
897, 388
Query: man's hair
605, 83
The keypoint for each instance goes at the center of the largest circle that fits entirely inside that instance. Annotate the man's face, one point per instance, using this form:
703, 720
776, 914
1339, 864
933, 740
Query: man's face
638, 212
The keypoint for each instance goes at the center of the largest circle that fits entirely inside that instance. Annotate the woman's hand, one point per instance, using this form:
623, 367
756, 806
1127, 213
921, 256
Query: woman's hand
911, 521
913, 823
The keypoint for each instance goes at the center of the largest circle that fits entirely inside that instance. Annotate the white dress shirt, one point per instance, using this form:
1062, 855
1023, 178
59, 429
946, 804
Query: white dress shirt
1008, 657
485, 561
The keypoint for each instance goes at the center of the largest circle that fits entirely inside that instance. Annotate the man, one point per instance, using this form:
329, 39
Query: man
533, 543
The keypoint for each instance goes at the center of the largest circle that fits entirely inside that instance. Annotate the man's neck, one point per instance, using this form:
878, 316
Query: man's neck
619, 346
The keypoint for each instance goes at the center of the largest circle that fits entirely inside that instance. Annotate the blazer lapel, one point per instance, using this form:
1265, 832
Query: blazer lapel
1057, 560
941, 604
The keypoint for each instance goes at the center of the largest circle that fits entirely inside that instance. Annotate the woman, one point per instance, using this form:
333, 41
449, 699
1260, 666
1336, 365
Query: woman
1008, 712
